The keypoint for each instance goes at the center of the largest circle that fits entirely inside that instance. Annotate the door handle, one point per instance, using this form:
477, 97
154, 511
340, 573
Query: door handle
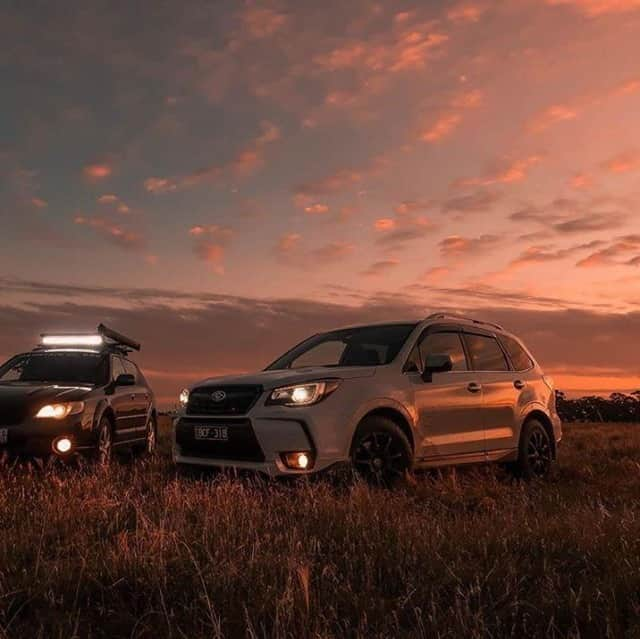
474, 387
519, 384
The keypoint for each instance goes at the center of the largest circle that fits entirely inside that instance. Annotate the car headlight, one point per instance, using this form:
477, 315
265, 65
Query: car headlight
302, 394
60, 411
184, 397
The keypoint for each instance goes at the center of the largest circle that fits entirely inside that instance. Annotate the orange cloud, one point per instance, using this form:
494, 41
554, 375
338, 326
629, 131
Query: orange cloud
98, 171
594, 8
552, 115
316, 208
514, 171
384, 224
623, 162
435, 274
442, 127
412, 206
581, 181
408, 47
262, 22
466, 12
449, 120
39, 203
333, 251
612, 254
340, 180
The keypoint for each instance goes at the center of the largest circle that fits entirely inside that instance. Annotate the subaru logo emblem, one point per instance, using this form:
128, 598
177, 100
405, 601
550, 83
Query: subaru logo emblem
218, 396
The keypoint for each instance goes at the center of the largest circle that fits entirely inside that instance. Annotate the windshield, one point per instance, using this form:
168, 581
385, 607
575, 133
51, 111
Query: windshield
364, 346
56, 368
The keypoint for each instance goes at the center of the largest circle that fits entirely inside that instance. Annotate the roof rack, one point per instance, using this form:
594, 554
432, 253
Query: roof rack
104, 338
461, 317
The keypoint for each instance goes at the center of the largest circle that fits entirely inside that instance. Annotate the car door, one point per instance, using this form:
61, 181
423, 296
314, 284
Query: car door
449, 405
499, 393
121, 400
140, 401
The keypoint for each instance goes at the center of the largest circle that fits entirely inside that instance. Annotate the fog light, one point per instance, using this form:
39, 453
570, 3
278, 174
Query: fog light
63, 445
297, 461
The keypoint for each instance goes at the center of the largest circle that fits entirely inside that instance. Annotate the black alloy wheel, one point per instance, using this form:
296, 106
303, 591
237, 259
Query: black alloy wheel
381, 453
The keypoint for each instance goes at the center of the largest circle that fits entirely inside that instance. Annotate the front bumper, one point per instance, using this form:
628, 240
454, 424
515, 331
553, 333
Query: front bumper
256, 442
35, 437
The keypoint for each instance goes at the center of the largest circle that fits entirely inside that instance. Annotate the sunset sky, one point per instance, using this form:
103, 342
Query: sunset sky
221, 179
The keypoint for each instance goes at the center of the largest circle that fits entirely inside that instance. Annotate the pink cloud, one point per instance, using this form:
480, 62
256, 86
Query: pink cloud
210, 244
39, 203
114, 232
458, 246
380, 267
245, 162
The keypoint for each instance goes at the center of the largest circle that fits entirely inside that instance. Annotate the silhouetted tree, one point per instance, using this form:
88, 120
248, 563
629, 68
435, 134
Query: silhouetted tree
618, 407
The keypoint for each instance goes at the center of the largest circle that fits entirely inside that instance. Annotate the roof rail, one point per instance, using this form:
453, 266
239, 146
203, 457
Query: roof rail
461, 317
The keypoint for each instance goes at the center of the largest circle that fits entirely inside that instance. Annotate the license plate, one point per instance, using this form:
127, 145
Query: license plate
212, 433
4, 435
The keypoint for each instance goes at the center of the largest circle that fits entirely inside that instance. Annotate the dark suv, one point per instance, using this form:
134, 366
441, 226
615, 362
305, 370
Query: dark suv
76, 394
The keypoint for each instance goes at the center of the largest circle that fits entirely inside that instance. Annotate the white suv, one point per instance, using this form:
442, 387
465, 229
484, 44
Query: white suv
382, 398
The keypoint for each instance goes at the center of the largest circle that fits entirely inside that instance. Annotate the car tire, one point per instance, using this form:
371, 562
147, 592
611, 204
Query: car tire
535, 451
150, 445
151, 442
381, 453
104, 443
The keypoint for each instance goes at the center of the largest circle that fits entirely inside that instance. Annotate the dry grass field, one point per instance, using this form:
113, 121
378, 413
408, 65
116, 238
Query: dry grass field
133, 551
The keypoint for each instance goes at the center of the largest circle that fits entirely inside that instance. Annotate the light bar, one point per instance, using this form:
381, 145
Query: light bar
72, 340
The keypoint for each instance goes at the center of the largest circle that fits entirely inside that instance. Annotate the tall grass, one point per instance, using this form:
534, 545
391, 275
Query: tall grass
134, 551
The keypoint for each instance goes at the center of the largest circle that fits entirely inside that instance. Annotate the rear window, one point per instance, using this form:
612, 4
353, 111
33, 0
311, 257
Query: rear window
519, 358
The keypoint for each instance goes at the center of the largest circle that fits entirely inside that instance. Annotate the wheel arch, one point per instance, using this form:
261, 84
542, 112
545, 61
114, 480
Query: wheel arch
545, 420
395, 416
108, 412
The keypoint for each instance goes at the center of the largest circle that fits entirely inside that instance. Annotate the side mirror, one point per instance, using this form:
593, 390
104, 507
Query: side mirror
125, 379
437, 363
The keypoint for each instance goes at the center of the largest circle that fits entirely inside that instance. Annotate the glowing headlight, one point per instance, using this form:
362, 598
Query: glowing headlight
60, 411
302, 394
184, 397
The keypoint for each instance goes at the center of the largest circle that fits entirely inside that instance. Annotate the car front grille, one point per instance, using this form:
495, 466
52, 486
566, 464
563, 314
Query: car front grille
13, 414
222, 400
242, 444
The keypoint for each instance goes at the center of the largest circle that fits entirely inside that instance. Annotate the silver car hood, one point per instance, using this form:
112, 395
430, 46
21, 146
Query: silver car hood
273, 379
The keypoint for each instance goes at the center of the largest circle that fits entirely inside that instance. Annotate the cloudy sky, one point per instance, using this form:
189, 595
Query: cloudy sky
222, 178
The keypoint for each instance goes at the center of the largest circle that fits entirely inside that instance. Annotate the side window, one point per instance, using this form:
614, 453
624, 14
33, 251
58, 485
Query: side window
445, 344
521, 361
117, 368
486, 354
130, 369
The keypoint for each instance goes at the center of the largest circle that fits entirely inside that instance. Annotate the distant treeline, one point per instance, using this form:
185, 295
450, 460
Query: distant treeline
618, 407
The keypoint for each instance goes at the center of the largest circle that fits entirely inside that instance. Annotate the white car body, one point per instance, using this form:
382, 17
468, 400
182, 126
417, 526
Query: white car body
457, 417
